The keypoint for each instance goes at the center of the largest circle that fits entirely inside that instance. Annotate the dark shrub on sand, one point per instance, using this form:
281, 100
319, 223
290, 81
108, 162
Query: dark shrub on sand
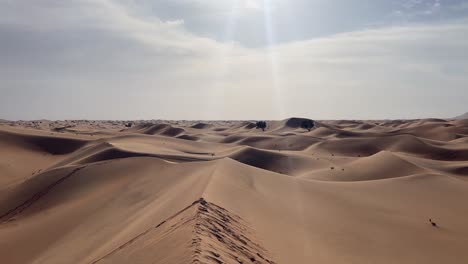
261, 124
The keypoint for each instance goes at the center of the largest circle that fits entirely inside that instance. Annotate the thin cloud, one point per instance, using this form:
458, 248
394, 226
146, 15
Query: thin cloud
106, 60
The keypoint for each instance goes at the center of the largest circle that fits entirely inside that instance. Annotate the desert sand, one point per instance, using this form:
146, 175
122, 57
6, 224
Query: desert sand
225, 192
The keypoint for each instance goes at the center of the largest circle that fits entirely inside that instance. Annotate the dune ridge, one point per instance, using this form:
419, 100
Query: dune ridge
217, 236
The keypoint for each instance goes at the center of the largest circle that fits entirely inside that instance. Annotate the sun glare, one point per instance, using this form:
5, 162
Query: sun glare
273, 57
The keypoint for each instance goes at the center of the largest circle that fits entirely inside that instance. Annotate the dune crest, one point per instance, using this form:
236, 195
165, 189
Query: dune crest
212, 234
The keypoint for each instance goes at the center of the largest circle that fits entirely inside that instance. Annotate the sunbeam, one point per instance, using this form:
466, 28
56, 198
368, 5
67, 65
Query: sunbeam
273, 58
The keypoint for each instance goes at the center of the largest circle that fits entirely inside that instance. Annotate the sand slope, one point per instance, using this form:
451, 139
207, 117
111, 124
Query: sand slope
225, 192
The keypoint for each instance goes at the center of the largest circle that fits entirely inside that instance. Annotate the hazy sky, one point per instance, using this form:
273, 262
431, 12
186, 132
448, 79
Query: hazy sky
233, 59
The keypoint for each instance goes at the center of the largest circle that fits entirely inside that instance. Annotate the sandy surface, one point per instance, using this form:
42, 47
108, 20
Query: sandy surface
226, 192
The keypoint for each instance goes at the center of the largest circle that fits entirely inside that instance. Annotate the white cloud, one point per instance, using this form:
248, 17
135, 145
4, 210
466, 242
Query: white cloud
252, 4
103, 59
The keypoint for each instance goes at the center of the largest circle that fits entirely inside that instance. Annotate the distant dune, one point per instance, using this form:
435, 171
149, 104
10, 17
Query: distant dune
80, 191
464, 116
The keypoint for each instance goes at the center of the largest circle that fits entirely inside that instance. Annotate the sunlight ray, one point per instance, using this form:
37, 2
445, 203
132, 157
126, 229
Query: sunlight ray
273, 57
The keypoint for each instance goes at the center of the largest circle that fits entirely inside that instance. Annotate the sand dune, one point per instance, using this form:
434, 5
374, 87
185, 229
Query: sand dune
378, 166
464, 116
225, 192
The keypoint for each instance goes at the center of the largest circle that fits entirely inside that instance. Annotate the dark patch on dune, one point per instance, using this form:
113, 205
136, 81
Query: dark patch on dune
201, 126
57, 145
347, 134
111, 154
50, 144
155, 129
232, 139
188, 137
365, 126
250, 126
258, 158
272, 161
246, 140
286, 142
435, 120
461, 171
159, 129
62, 128
172, 132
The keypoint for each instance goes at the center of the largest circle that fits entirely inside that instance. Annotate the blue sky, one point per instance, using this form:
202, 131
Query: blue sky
233, 59
300, 19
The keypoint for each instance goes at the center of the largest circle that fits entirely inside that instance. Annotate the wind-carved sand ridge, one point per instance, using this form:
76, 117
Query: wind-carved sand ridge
35, 197
352, 191
218, 236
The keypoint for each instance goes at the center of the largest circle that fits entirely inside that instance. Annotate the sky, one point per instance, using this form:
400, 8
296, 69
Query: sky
233, 59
